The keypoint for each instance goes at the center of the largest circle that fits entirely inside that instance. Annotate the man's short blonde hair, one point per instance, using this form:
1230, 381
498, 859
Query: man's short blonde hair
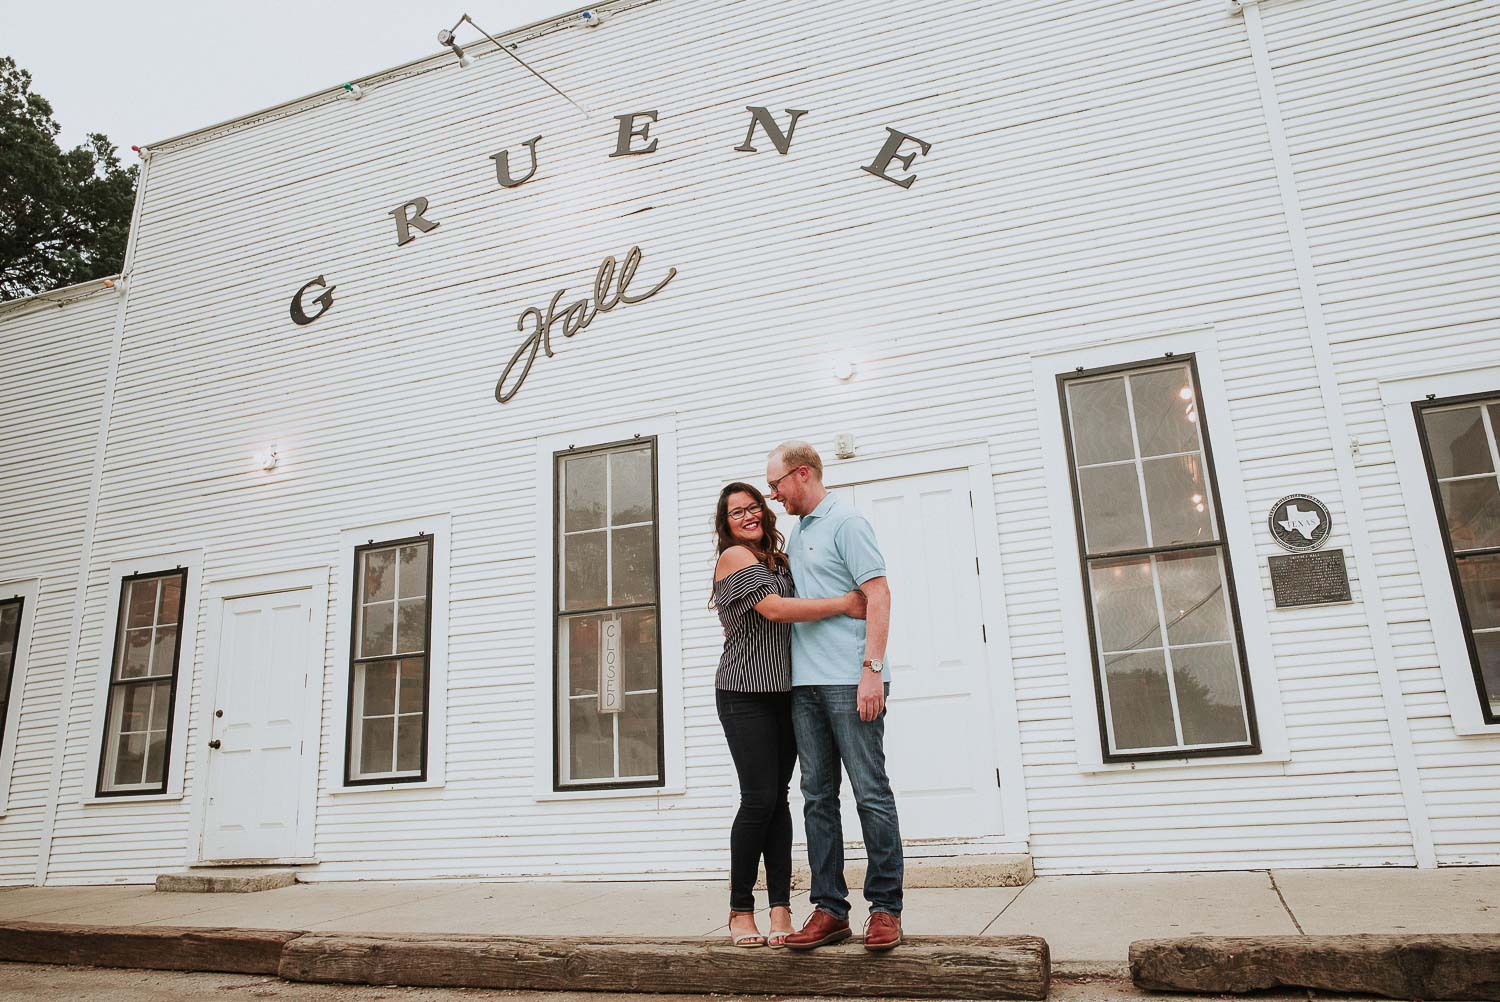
794, 454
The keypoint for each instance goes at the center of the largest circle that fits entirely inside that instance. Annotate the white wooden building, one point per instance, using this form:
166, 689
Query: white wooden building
1090, 286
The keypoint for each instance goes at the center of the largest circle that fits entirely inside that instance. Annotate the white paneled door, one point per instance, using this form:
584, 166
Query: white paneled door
255, 774
939, 740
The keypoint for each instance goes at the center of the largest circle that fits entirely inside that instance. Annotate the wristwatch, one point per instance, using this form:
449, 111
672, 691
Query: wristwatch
876, 665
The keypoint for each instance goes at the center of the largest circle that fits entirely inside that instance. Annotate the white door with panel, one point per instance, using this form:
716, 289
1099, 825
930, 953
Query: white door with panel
939, 740
256, 761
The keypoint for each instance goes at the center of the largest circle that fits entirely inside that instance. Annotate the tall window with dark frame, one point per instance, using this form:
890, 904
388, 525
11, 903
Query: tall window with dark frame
10, 638
1169, 658
605, 617
388, 670
1459, 441
143, 685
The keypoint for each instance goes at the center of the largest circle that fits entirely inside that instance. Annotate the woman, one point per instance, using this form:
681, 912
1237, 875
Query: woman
753, 594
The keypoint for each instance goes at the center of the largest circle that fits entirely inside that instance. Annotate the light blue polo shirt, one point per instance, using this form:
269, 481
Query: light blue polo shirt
833, 551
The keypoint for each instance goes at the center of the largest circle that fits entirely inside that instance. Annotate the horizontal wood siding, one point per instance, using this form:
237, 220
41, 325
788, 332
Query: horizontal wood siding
1391, 112
1098, 171
54, 358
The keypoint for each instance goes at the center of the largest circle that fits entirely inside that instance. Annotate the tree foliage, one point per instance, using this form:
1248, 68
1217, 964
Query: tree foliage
64, 215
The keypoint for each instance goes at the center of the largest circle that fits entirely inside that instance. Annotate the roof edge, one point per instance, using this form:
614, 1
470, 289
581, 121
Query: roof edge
415, 67
66, 294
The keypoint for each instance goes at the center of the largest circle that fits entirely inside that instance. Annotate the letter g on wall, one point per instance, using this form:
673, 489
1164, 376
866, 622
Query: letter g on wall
324, 301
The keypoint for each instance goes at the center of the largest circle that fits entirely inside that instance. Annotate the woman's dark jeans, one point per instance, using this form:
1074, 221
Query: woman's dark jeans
758, 727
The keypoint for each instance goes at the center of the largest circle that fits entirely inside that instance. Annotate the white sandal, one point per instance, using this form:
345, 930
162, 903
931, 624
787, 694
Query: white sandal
745, 940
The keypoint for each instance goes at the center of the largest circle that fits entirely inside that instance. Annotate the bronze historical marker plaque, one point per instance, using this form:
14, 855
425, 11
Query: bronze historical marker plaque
1309, 578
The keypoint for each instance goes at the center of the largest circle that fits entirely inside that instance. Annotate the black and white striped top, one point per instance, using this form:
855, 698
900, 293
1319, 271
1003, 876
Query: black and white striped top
757, 652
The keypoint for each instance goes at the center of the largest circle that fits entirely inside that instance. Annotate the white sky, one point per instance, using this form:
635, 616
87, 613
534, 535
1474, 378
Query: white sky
146, 70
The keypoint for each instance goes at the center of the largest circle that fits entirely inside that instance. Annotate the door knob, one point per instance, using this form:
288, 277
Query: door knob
214, 743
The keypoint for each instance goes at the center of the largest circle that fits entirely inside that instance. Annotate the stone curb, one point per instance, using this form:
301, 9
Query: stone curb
1446, 966
958, 967
158, 948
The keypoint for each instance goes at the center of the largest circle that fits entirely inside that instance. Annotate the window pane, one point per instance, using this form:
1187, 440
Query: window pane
161, 704
135, 707
638, 641
414, 570
163, 650
630, 486
380, 575
135, 661
1178, 499
156, 757
1112, 517
1192, 591
638, 730
583, 498
583, 577
579, 655
10, 623
634, 571
591, 734
409, 743
1208, 694
1125, 604
1488, 646
140, 603
1457, 442
376, 739
1140, 704
411, 626
130, 759
1472, 508
1480, 577
379, 681
171, 600
413, 672
377, 630
1166, 411
1099, 421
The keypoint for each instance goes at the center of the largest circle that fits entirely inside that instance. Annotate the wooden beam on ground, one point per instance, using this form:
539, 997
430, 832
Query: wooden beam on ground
157, 948
1015, 967
1428, 967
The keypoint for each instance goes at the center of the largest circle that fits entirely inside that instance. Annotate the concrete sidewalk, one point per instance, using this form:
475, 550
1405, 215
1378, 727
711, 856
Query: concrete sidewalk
1089, 921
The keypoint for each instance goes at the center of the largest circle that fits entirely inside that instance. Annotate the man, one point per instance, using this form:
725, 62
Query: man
839, 688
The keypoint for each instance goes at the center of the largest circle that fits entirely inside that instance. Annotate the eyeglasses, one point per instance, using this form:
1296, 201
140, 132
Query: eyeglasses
774, 484
740, 514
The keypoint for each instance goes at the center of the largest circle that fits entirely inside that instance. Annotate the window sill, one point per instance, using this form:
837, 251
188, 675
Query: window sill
1152, 765
344, 791
637, 792
139, 798
1475, 730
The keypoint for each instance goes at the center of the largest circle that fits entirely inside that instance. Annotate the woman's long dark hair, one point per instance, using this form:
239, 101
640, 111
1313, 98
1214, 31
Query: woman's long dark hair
770, 549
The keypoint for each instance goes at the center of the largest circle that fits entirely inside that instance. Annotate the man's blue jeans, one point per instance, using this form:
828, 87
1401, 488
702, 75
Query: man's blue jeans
826, 721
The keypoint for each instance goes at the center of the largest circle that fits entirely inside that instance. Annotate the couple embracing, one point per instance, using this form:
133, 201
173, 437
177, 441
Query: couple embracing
802, 680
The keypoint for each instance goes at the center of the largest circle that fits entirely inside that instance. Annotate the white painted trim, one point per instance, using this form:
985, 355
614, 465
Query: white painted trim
1213, 403
674, 771
1005, 723
313, 580
1366, 567
187, 658
1397, 396
90, 526
27, 590
440, 528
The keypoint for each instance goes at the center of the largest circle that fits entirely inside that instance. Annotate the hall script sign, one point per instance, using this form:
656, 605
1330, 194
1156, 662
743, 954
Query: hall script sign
632, 138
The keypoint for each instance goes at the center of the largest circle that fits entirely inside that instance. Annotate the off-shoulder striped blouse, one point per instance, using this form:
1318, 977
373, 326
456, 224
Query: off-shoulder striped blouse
757, 652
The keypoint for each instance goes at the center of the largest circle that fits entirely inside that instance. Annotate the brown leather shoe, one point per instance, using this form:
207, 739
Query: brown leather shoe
882, 932
821, 930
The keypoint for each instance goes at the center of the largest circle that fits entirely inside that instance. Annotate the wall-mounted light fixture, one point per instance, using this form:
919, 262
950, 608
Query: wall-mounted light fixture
354, 90
446, 37
268, 459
